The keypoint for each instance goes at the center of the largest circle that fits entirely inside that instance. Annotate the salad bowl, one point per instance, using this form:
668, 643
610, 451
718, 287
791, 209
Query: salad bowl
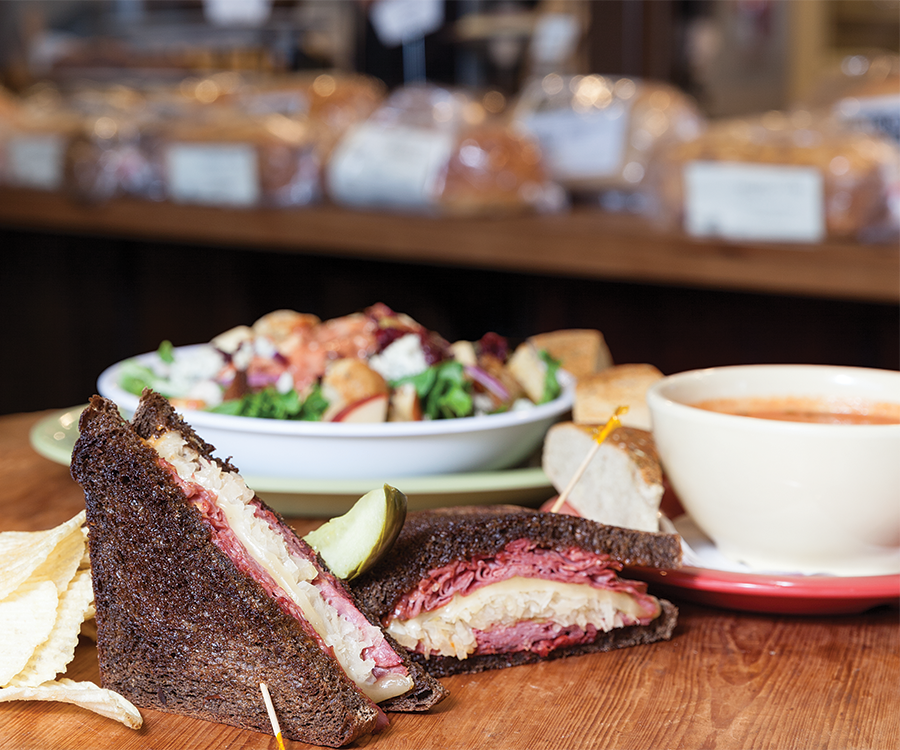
380, 451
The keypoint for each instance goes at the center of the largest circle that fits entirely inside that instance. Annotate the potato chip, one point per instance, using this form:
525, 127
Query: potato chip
53, 655
22, 552
63, 561
85, 694
26, 618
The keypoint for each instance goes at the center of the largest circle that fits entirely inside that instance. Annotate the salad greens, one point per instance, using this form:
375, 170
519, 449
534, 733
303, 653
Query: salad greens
443, 390
552, 388
269, 403
135, 377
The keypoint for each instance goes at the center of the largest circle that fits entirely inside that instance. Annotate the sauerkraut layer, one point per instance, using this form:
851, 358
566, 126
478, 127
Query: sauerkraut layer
523, 598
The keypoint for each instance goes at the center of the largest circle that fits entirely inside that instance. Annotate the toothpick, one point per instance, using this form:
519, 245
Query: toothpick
272, 717
599, 437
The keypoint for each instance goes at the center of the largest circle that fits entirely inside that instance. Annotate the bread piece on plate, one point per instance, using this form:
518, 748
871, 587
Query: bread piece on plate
476, 588
623, 483
582, 351
202, 592
598, 396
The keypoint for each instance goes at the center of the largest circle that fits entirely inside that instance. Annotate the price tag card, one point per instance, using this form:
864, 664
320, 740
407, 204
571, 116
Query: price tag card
398, 21
35, 161
213, 174
237, 12
396, 166
581, 145
555, 36
754, 202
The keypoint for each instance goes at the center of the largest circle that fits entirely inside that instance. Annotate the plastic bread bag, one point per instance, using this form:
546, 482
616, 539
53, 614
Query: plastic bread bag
333, 100
780, 176
35, 139
435, 149
862, 92
103, 159
599, 133
219, 156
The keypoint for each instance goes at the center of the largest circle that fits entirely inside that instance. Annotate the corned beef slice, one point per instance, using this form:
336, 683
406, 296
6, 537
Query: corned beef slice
444, 558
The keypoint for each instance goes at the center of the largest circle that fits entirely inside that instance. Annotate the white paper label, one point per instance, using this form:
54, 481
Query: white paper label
555, 36
213, 174
35, 161
399, 21
754, 201
395, 166
581, 145
237, 12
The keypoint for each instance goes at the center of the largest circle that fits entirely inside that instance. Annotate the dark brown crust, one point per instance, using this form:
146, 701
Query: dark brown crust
154, 415
635, 635
434, 538
179, 628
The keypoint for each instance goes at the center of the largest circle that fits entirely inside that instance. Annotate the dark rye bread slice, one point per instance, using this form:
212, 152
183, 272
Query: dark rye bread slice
155, 415
179, 627
434, 538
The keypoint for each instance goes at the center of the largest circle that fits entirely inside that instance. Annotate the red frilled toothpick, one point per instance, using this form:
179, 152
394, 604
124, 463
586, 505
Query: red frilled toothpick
599, 436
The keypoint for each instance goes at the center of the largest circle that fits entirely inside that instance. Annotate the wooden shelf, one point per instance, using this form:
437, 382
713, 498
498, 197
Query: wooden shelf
583, 243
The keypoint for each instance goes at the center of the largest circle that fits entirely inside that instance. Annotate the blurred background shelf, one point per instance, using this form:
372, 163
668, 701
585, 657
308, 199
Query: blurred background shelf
584, 243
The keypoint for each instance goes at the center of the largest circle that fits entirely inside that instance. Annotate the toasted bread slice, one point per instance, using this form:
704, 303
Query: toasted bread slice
599, 395
623, 483
581, 351
184, 622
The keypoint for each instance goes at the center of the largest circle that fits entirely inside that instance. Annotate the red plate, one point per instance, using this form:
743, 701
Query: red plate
773, 593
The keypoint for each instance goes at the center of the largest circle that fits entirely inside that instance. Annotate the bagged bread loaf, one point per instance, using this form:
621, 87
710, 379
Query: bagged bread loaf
333, 100
436, 149
35, 138
782, 176
223, 157
863, 92
104, 159
599, 133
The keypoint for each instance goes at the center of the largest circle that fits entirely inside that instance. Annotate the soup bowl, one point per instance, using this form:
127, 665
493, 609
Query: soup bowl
782, 495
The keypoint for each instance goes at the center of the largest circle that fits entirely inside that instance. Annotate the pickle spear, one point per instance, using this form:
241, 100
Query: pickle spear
352, 543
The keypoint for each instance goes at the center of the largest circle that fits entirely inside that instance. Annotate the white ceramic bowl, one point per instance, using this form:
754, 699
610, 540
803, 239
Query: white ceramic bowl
785, 496
381, 451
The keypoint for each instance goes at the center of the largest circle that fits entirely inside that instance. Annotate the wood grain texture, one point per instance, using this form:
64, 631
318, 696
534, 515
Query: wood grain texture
725, 681
583, 243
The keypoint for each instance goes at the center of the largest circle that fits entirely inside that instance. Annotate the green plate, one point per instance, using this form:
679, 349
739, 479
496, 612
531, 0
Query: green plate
54, 437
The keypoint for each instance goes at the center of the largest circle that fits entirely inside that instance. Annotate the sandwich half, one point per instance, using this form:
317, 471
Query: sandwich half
203, 592
477, 588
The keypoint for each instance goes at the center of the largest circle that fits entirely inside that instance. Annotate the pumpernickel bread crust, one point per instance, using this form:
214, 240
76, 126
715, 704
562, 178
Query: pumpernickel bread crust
179, 627
154, 415
432, 539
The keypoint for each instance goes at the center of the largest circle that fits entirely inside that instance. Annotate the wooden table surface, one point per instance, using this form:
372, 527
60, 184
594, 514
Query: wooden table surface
725, 680
584, 242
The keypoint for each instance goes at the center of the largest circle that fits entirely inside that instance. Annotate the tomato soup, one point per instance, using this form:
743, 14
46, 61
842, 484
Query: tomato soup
804, 409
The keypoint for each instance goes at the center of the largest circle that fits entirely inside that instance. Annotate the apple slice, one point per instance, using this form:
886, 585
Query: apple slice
370, 409
352, 543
